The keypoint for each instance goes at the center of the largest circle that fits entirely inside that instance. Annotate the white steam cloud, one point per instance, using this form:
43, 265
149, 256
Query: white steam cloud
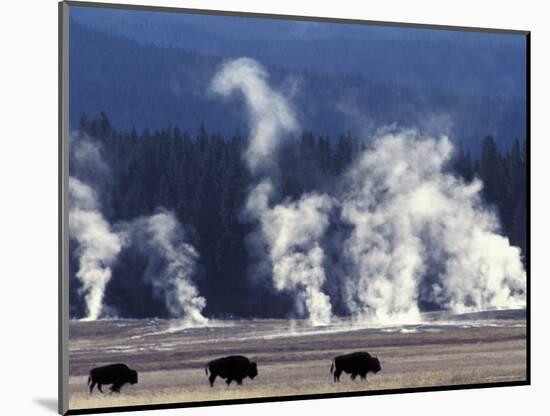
420, 235
160, 237
291, 230
270, 114
171, 266
98, 245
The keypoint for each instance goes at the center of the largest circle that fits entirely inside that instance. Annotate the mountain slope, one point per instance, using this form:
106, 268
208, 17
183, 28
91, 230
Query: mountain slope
148, 86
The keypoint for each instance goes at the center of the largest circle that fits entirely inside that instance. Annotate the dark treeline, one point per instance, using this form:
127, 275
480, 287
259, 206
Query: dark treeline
202, 177
504, 176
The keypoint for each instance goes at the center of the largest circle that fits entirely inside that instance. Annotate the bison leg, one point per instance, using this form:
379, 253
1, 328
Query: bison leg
353, 376
92, 386
211, 379
240, 381
115, 388
99, 387
228, 381
337, 374
363, 376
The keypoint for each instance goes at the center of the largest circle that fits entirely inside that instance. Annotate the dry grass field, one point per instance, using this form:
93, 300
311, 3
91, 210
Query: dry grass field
292, 359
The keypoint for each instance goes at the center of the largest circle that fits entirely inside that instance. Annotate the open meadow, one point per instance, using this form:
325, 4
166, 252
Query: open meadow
293, 359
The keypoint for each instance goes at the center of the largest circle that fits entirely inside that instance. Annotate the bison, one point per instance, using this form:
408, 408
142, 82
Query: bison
356, 364
235, 367
115, 374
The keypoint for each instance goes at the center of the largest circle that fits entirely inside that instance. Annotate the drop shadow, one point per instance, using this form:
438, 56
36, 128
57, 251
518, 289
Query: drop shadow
49, 404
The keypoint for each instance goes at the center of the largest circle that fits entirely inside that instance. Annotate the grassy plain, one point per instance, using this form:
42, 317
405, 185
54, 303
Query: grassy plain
291, 360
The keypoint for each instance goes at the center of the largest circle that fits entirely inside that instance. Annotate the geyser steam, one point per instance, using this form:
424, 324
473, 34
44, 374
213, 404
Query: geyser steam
98, 245
269, 113
422, 236
291, 230
159, 237
172, 263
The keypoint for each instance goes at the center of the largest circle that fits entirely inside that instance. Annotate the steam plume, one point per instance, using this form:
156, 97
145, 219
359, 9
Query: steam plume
172, 263
98, 245
160, 237
422, 236
291, 230
269, 113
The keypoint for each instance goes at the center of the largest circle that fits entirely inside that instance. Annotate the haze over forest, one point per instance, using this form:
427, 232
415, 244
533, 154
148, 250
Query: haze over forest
152, 70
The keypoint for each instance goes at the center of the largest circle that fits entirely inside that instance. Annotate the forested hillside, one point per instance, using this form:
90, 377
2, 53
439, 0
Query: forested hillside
457, 63
150, 86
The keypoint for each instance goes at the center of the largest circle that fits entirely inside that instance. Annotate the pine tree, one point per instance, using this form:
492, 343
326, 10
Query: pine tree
491, 171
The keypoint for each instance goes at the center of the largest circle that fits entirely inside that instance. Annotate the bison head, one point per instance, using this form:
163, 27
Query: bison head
133, 377
376, 364
253, 370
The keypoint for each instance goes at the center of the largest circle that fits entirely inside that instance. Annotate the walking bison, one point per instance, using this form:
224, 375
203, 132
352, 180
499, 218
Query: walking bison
234, 367
356, 364
115, 374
